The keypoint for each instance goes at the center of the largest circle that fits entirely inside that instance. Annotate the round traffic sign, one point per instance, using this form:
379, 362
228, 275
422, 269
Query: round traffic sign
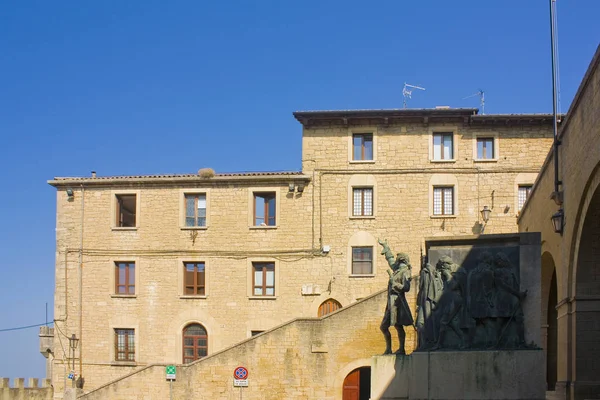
240, 373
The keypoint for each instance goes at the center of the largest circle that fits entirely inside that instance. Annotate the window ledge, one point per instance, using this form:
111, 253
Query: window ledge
262, 297
443, 161
267, 227
362, 217
188, 296
123, 296
124, 364
124, 228
484, 160
361, 276
194, 228
362, 161
443, 216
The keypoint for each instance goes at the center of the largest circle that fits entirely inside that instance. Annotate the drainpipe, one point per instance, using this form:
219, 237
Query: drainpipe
81, 287
557, 196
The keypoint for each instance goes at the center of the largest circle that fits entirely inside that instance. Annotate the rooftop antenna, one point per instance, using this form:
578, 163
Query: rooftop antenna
481, 95
407, 91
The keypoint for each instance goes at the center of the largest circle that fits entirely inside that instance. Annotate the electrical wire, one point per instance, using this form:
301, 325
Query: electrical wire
24, 327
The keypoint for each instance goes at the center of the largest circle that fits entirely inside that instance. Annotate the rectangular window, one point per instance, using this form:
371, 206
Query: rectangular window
126, 210
362, 260
194, 280
195, 209
124, 277
362, 144
443, 148
524, 191
264, 209
443, 200
362, 204
263, 279
124, 345
485, 148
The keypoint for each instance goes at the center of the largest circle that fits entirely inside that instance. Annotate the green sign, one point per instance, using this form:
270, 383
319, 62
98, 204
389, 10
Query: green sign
171, 372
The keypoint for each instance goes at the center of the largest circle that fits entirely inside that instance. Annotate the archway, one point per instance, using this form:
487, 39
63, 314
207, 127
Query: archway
357, 384
328, 306
549, 318
587, 292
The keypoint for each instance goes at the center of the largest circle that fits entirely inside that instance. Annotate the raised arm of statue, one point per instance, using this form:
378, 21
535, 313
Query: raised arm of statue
389, 256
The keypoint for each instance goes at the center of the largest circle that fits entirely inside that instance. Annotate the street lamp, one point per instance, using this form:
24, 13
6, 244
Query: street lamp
558, 221
485, 214
73, 341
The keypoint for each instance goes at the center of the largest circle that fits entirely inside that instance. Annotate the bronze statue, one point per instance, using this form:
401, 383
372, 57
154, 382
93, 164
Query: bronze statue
430, 291
397, 312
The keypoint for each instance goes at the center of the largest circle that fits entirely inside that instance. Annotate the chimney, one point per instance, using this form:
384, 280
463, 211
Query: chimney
93, 174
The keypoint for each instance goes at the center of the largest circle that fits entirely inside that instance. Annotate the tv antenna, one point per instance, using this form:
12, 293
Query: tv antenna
407, 91
481, 95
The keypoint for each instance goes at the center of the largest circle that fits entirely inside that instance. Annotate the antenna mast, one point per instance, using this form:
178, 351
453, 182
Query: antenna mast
481, 95
407, 91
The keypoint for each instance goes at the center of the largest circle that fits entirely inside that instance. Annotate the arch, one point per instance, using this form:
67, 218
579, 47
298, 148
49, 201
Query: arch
195, 342
550, 318
338, 380
333, 294
357, 384
328, 306
591, 187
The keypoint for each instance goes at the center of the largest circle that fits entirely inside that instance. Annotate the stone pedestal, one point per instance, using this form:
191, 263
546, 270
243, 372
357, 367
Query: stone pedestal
460, 375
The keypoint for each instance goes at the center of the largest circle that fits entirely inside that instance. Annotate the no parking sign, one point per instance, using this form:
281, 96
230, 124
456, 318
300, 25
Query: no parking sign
240, 376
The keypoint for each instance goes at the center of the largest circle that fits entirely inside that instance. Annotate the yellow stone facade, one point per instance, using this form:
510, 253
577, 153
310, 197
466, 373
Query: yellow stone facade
310, 244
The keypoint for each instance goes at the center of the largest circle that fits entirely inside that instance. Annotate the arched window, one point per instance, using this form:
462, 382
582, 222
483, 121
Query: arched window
195, 343
328, 306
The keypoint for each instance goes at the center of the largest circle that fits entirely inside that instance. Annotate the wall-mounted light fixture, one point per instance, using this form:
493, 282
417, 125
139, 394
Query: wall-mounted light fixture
70, 193
291, 187
73, 341
558, 221
485, 214
300, 187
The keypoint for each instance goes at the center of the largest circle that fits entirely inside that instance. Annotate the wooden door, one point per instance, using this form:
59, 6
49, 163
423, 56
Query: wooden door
352, 386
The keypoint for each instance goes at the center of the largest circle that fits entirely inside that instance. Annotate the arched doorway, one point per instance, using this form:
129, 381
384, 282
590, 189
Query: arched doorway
585, 303
357, 385
328, 306
195, 343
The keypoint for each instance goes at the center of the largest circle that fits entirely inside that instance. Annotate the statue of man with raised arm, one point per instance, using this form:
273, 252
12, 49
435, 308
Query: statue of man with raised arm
397, 312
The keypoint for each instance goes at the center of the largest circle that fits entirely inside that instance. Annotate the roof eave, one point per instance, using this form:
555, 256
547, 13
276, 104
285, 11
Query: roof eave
170, 181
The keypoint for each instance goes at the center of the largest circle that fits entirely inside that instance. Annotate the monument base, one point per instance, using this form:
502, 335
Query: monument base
458, 375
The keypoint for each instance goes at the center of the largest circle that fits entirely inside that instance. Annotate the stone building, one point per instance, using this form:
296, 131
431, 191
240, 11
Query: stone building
169, 269
571, 256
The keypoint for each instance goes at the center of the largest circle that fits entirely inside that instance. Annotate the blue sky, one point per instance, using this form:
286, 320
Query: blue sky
144, 87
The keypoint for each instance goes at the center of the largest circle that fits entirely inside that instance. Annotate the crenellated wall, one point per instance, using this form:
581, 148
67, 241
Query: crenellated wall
33, 391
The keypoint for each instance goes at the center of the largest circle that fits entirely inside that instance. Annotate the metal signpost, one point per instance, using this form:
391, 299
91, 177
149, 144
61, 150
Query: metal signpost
171, 372
240, 378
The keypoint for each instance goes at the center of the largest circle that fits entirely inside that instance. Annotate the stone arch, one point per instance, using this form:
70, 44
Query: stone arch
338, 380
589, 190
337, 296
584, 288
550, 318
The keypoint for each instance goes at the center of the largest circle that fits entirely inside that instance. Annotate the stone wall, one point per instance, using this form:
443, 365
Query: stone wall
304, 358
33, 390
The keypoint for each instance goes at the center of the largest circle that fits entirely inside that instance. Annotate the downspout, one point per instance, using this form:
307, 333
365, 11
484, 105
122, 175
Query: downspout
81, 286
556, 195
